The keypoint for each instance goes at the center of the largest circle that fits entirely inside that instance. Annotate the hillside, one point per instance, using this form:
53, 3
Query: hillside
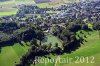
88, 49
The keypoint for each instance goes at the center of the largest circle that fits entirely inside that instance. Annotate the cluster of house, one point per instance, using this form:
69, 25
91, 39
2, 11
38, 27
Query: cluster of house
71, 12
82, 10
29, 10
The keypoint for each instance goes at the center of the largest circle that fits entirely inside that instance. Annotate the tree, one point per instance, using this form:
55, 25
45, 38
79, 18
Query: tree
56, 44
50, 45
40, 35
34, 42
97, 27
85, 27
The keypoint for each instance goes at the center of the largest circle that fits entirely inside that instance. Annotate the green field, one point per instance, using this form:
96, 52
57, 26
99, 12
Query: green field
6, 3
7, 13
7, 9
88, 49
10, 55
52, 39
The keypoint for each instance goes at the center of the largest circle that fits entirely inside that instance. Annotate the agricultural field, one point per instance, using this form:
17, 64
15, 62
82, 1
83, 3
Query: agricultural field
10, 55
7, 13
7, 3
7, 8
70, 1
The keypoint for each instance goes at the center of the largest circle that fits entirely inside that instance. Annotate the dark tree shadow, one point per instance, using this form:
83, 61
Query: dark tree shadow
6, 43
72, 46
20, 43
0, 49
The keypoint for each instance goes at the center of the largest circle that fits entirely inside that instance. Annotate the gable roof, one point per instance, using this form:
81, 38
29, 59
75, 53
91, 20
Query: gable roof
42, 1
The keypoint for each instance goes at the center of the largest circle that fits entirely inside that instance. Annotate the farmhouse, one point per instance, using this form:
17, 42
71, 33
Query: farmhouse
41, 1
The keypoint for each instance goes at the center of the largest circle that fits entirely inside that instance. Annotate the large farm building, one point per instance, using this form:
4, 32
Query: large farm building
48, 1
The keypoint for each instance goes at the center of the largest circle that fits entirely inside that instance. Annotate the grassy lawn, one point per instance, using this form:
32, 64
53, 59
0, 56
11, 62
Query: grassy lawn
7, 2
44, 5
11, 55
70, 1
8, 10
7, 13
52, 39
88, 49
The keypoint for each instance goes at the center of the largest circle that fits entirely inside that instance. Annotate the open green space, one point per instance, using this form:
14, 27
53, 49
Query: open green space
10, 55
8, 10
44, 5
53, 40
7, 13
6, 3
